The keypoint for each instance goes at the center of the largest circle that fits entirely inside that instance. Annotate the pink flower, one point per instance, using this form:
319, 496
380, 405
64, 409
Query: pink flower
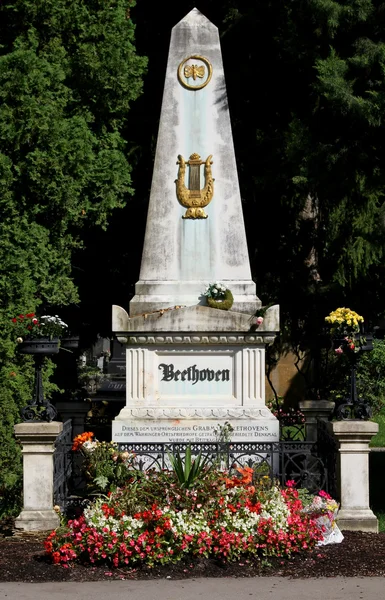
338, 350
259, 320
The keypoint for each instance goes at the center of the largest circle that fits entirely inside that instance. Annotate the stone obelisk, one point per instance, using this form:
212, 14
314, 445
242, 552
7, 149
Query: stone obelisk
191, 367
182, 255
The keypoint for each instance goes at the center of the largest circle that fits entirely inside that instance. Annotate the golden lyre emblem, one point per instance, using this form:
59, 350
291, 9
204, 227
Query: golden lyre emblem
194, 71
194, 198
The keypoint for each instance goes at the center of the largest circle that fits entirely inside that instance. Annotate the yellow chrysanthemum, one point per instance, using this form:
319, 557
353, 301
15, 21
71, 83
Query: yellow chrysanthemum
344, 320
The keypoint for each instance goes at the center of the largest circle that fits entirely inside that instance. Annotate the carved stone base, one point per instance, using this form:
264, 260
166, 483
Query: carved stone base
193, 371
357, 520
37, 520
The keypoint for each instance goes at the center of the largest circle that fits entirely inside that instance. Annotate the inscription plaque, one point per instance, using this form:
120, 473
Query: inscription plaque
263, 430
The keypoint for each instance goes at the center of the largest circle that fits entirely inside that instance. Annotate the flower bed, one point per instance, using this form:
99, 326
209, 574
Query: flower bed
156, 520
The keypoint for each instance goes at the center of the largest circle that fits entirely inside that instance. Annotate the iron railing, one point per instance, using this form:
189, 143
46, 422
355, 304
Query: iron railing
283, 461
62, 460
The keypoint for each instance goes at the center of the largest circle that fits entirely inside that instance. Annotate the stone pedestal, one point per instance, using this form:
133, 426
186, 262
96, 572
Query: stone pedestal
353, 438
192, 369
314, 410
37, 441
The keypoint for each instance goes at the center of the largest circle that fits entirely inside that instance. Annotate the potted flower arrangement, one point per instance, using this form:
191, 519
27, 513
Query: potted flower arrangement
38, 335
345, 325
218, 296
345, 329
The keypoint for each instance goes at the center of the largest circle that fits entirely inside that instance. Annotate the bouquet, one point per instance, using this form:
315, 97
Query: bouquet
324, 509
345, 325
219, 296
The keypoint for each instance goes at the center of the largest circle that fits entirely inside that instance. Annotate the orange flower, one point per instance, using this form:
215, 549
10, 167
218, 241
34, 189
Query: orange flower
81, 438
247, 474
246, 478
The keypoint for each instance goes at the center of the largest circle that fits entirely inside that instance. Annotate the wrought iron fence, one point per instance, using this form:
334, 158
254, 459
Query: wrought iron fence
62, 465
328, 449
283, 461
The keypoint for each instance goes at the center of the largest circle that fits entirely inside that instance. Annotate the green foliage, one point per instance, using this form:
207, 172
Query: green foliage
189, 472
378, 441
381, 521
335, 371
105, 467
371, 376
69, 73
311, 151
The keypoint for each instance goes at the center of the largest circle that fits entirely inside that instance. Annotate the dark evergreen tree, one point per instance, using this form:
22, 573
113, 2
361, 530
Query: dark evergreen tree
305, 82
69, 73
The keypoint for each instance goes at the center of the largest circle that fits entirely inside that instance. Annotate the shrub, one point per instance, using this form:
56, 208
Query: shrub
104, 466
155, 520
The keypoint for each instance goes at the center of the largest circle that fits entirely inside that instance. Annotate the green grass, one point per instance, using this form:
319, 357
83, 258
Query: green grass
378, 440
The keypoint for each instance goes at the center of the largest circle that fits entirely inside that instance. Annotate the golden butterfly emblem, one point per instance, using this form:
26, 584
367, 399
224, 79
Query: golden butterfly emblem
194, 71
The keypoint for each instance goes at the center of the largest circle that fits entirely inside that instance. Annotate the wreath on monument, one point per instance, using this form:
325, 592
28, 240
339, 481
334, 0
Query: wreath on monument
219, 296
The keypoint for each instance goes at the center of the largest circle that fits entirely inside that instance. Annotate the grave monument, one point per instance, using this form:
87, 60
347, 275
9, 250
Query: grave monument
191, 368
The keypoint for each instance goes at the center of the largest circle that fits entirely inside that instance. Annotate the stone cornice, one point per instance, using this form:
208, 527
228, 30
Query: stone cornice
207, 339
195, 413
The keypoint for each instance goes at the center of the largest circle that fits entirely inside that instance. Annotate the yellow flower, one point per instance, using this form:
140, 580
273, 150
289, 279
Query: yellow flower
344, 320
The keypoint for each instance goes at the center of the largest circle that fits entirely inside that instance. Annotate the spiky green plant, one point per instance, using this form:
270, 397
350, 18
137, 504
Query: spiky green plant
189, 471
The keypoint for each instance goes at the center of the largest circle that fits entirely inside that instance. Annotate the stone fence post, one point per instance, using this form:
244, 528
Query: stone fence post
38, 447
314, 410
353, 439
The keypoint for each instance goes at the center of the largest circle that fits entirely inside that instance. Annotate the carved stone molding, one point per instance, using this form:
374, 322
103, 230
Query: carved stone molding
244, 339
195, 413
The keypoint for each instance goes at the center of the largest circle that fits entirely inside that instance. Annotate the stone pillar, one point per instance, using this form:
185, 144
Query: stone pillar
353, 438
314, 410
37, 440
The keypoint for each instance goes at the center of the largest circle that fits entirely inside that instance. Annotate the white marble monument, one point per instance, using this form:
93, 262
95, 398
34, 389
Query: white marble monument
190, 367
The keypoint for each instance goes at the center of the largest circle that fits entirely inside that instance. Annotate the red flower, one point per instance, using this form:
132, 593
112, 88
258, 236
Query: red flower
290, 483
14, 320
30, 315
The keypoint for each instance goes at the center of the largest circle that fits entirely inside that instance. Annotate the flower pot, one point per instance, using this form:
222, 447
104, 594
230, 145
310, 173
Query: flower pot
70, 342
39, 346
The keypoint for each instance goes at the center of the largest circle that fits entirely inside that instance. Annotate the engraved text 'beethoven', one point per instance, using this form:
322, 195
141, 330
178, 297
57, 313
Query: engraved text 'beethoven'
193, 374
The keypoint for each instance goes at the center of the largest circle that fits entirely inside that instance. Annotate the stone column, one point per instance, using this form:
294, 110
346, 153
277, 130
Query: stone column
314, 410
353, 438
37, 440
